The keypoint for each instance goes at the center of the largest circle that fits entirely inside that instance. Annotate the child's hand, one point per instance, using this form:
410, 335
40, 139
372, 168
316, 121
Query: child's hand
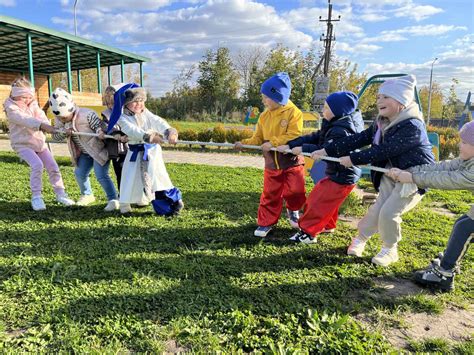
393, 173
267, 146
405, 177
283, 148
47, 128
123, 139
238, 146
101, 134
297, 150
346, 161
68, 132
156, 138
173, 138
317, 155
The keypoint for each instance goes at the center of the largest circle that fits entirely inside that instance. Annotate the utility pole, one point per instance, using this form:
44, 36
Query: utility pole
328, 38
429, 94
75, 23
321, 85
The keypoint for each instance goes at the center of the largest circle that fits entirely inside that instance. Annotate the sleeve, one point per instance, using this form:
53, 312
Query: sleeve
347, 144
295, 129
16, 116
446, 180
257, 138
404, 139
306, 139
133, 132
445, 165
159, 124
58, 137
95, 123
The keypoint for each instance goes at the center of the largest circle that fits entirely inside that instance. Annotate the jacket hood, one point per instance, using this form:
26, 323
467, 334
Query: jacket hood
353, 122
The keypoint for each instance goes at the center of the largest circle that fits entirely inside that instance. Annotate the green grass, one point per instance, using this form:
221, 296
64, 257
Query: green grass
83, 280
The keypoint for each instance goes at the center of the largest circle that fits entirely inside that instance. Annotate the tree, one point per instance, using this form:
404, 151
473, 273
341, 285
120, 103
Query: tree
436, 100
218, 82
451, 102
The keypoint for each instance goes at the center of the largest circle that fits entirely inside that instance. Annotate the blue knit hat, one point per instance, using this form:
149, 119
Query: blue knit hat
342, 103
277, 88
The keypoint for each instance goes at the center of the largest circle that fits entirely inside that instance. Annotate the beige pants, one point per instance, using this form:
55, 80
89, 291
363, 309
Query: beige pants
384, 216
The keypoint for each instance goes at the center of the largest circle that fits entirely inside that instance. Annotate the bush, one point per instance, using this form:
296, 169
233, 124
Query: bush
188, 135
4, 126
233, 135
448, 141
205, 136
219, 134
246, 133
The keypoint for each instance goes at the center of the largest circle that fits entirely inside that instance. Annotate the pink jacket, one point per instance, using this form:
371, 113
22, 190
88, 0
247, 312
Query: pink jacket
24, 123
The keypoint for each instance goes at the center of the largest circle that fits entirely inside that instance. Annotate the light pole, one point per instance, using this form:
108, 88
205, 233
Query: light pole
75, 24
429, 94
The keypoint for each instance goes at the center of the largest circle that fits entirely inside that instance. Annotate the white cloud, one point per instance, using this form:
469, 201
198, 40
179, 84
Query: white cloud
357, 48
373, 17
417, 12
426, 30
385, 37
452, 63
8, 3
113, 5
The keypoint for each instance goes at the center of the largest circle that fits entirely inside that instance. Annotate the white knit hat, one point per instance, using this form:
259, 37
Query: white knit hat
61, 103
401, 89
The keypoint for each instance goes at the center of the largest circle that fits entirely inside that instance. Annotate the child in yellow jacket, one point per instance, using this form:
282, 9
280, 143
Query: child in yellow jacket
283, 177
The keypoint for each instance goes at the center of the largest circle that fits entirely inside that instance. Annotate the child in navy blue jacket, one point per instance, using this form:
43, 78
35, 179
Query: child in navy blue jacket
397, 139
322, 206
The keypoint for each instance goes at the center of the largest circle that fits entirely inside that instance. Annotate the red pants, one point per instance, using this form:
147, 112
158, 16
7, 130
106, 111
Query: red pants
322, 206
281, 184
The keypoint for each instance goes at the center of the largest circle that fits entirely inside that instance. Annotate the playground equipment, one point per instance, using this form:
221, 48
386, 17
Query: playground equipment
252, 116
468, 107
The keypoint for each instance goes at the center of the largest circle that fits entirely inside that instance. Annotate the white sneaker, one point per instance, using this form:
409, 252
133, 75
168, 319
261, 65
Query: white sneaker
125, 208
65, 200
357, 247
85, 200
386, 256
38, 203
112, 205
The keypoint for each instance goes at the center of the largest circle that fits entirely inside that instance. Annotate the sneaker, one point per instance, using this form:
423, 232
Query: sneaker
262, 231
436, 262
85, 200
143, 203
37, 203
180, 206
293, 217
302, 237
386, 256
65, 200
436, 277
112, 205
356, 248
125, 208
328, 231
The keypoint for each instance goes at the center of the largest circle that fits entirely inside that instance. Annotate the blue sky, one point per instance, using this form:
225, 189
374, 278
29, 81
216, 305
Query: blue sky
381, 36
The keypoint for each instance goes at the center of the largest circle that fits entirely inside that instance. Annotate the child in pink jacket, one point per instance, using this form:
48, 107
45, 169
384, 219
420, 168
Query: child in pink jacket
27, 122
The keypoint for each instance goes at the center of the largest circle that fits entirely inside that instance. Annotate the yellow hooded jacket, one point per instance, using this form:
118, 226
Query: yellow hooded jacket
278, 127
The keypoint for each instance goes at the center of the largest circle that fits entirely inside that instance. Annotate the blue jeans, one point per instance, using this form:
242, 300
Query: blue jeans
83, 170
461, 236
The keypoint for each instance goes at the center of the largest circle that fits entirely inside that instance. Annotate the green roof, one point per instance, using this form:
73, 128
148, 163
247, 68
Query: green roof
49, 49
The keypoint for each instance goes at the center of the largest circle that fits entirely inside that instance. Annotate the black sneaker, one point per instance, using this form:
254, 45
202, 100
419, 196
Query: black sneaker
436, 277
436, 262
302, 237
293, 217
262, 231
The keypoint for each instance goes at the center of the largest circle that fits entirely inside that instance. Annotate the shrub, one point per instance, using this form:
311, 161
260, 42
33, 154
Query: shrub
4, 126
246, 133
219, 134
205, 136
233, 135
188, 135
448, 141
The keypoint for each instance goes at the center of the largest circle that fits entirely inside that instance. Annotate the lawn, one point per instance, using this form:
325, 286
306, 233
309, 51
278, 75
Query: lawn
83, 280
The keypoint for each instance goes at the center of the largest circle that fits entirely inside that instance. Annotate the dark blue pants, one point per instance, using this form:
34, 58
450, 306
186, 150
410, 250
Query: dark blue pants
461, 236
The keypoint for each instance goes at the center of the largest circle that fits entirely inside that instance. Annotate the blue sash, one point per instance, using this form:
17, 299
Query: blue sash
135, 148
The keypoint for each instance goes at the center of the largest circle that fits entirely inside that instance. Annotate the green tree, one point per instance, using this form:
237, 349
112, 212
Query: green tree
451, 102
436, 100
218, 82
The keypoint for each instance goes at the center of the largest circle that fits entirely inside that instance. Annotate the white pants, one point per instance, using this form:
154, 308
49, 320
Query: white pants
384, 216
